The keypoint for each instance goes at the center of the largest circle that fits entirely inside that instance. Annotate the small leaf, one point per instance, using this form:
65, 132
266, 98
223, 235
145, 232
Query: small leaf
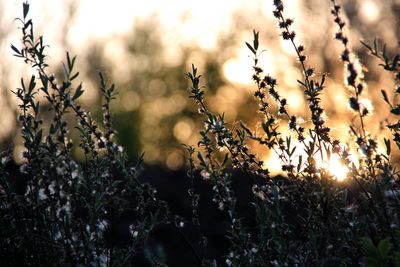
38, 137
36, 107
323, 80
78, 92
15, 50
25, 7
200, 157
384, 53
265, 127
32, 84
71, 62
246, 129
226, 158
396, 110
395, 61
74, 76
376, 46
367, 46
251, 48
300, 163
300, 82
367, 247
292, 152
387, 144
385, 96
384, 247
255, 41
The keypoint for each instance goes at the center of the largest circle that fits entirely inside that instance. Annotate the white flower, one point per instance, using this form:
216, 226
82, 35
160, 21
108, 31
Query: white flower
102, 225
132, 231
205, 174
42, 195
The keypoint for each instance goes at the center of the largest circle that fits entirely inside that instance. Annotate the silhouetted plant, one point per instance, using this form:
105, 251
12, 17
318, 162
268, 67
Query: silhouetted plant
70, 213
100, 213
308, 218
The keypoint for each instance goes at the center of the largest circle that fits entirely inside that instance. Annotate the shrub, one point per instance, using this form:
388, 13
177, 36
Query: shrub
95, 213
101, 213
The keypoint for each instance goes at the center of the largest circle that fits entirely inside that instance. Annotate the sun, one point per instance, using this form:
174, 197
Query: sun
337, 168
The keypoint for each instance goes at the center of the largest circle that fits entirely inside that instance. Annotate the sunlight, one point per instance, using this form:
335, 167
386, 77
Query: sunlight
272, 162
369, 11
333, 166
237, 69
237, 72
336, 168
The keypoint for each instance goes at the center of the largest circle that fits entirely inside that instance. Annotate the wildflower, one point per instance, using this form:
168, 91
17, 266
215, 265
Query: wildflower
205, 174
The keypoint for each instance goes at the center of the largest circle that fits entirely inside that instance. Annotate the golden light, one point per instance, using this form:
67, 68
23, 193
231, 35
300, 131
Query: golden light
333, 166
369, 11
336, 168
238, 69
272, 162
237, 72
183, 129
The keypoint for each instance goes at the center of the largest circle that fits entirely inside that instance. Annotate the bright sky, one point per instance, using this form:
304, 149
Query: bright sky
185, 22
103, 18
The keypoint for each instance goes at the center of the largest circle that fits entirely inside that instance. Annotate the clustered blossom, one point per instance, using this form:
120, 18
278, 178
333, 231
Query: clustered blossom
354, 76
312, 88
215, 125
355, 81
390, 64
69, 208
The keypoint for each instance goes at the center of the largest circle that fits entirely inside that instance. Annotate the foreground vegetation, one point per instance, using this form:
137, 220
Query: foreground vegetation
71, 213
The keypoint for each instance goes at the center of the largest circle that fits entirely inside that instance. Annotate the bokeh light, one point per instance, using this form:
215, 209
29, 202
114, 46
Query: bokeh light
145, 47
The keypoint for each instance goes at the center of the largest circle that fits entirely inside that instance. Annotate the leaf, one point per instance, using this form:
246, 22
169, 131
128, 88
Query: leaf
25, 7
74, 76
265, 127
367, 247
226, 158
384, 247
387, 144
54, 128
251, 48
78, 92
385, 96
246, 129
200, 157
255, 41
300, 82
300, 163
15, 50
396, 110
36, 107
70, 62
323, 80
32, 84
38, 137
395, 61
367, 46
384, 53
288, 141
292, 152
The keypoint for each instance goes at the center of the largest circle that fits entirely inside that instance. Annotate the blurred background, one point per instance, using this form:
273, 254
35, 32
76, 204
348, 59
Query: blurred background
146, 47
